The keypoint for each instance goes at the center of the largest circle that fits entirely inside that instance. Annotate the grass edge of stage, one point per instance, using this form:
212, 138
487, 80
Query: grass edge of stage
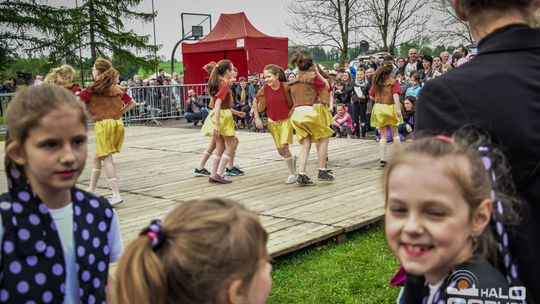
355, 271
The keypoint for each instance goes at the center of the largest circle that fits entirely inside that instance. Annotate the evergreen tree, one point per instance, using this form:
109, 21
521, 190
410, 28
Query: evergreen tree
101, 24
30, 27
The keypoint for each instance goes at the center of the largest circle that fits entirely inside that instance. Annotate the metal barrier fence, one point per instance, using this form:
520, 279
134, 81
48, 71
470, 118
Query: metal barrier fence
155, 103
5, 98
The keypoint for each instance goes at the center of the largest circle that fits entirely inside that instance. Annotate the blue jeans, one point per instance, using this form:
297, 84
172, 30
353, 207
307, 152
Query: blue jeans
196, 117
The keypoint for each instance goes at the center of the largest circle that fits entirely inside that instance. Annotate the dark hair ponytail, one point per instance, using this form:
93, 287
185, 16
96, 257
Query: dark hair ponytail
303, 62
216, 70
381, 76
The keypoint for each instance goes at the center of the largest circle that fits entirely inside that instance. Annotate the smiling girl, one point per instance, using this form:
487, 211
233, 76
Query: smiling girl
446, 209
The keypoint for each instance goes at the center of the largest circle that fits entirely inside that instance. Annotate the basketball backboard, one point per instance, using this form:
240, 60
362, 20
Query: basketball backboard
195, 26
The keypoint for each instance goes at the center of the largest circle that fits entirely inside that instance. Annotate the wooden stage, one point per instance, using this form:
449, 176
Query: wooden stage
155, 172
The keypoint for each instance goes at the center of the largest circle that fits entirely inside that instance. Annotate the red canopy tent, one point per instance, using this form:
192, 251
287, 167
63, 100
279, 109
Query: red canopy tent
236, 39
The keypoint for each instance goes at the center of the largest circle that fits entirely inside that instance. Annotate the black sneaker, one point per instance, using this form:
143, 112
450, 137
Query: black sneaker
202, 172
326, 176
237, 170
304, 180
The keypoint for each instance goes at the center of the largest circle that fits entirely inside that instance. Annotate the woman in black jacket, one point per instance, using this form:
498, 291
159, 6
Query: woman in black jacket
499, 91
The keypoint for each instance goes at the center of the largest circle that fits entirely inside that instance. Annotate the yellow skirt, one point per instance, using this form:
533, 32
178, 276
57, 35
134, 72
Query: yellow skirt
324, 114
109, 136
383, 115
226, 123
305, 121
282, 132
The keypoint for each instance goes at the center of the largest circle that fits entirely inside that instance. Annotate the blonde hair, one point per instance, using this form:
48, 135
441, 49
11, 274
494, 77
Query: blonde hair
63, 73
475, 182
206, 244
106, 79
33, 103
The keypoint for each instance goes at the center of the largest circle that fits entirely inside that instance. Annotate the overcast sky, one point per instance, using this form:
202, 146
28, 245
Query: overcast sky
267, 16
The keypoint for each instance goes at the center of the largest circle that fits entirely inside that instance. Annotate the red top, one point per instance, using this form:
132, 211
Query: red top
85, 97
396, 89
225, 94
277, 107
75, 88
318, 84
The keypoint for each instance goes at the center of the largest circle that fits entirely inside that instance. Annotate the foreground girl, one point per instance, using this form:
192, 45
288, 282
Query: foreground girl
205, 251
57, 240
452, 219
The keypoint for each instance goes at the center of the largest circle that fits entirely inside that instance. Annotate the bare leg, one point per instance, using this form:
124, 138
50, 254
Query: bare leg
207, 154
108, 164
322, 152
396, 139
287, 156
382, 142
94, 177
218, 152
304, 154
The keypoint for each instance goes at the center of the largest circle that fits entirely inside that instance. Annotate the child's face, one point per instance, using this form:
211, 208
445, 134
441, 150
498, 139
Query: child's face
414, 82
270, 78
260, 286
54, 154
427, 221
399, 77
360, 75
339, 87
341, 111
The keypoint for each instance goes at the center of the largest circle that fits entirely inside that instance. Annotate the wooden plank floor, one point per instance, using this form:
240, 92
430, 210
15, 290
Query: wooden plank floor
155, 172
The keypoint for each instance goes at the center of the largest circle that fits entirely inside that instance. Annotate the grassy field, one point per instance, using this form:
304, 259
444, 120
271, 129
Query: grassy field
356, 271
178, 67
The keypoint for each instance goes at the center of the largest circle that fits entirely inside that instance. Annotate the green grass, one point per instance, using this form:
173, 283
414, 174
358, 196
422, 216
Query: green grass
166, 66
356, 271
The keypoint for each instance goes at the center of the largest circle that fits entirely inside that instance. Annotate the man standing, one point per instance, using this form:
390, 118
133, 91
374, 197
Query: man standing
413, 64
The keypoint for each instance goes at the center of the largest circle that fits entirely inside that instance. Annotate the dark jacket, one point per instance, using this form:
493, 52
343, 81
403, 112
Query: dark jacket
499, 91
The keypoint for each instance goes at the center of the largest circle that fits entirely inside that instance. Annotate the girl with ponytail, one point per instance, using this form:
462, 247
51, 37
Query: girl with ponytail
63, 76
205, 251
219, 124
450, 212
106, 103
306, 121
387, 109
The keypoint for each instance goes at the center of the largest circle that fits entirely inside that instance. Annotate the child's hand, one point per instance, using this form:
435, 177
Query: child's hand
258, 123
241, 114
409, 128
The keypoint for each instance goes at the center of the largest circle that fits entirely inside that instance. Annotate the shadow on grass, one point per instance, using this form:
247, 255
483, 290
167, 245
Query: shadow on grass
356, 271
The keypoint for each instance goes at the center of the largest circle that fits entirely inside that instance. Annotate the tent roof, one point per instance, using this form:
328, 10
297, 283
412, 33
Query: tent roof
233, 26
234, 31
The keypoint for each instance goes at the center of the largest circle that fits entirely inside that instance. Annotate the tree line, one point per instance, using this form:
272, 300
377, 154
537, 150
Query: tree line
34, 28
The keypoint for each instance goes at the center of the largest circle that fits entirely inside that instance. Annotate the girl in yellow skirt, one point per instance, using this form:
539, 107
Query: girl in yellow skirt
387, 109
273, 99
305, 119
106, 103
219, 124
231, 169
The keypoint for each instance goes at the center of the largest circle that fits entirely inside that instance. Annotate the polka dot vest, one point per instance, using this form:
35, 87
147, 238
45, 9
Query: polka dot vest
32, 263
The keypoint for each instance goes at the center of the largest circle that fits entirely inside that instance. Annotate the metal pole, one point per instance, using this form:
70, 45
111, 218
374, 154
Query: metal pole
155, 44
80, 46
